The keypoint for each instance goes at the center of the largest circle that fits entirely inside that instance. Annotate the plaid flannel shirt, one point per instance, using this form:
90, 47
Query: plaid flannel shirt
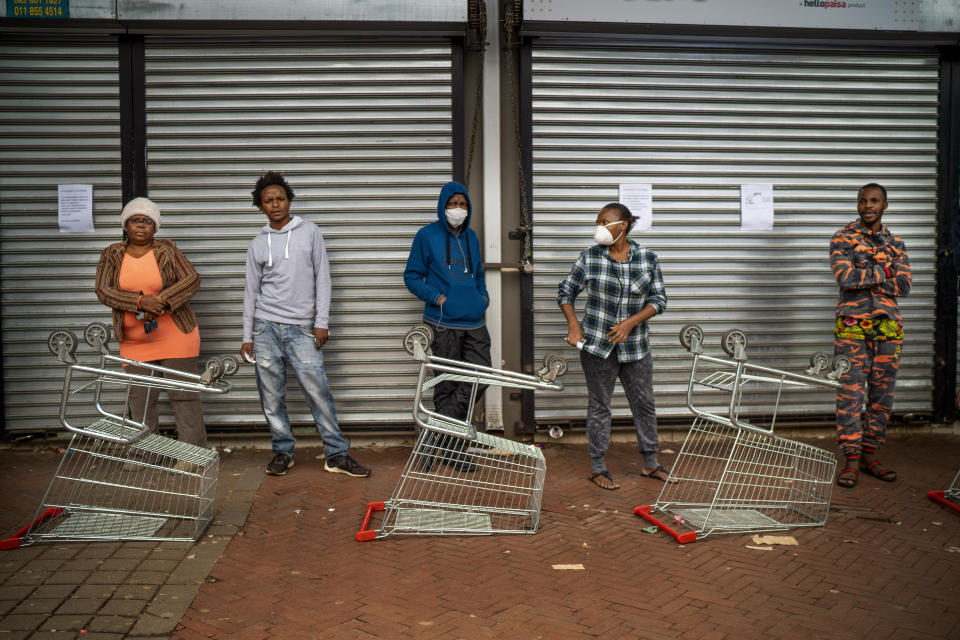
615, 291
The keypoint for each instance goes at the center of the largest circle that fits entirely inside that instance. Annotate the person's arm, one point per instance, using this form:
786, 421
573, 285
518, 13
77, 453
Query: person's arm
481, 277
621, 331
187, 284
846, 273
900, 281
324, 286
567, 292
574, 331
108, 293
251, 291
418, 265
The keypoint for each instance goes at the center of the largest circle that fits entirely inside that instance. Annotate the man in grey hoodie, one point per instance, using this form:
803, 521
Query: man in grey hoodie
286, 307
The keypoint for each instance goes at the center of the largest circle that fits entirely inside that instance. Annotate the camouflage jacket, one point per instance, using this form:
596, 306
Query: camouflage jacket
872, 270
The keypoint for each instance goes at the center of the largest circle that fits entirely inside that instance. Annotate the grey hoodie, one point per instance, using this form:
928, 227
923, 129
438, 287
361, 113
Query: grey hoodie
288, 277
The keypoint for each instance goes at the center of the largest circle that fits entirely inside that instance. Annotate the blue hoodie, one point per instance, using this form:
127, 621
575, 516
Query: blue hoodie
444, 264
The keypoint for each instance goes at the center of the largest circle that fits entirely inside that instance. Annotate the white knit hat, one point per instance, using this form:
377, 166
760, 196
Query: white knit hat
141, 207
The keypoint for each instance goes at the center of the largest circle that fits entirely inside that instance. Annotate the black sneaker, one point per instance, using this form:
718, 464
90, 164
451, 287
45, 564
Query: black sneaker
455, 455
345, 464
279, 465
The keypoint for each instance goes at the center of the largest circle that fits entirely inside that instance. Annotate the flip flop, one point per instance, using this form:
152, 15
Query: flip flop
848, 478
653, 474
877, 470
605, 474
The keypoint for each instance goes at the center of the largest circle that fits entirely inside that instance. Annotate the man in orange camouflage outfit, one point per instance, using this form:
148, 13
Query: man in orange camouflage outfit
871, 267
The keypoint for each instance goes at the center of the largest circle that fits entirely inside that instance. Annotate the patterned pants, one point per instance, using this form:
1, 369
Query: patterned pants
637, 380
873, 373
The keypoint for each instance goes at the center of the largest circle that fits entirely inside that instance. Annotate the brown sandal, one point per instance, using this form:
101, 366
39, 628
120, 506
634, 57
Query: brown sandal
877, 470
848, 478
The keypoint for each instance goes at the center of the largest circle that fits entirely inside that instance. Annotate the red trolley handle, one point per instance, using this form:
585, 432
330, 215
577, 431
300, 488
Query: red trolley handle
365, 534
13, 542
683, 538
940, 496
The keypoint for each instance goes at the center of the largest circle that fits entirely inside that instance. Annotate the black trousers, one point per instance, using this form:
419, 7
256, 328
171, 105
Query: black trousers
469, 345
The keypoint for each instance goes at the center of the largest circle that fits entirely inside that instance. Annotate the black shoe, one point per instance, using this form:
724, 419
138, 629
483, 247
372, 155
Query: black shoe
461, 462
279, 465
454, 452
345, 464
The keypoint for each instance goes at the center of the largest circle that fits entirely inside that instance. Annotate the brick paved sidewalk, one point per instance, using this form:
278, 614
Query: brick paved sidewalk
107, 590
886, 565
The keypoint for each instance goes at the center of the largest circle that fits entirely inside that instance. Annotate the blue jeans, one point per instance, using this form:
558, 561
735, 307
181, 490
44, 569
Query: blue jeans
273, 345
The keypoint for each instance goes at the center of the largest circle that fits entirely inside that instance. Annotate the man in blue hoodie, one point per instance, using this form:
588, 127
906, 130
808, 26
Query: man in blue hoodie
445, 270
286, 307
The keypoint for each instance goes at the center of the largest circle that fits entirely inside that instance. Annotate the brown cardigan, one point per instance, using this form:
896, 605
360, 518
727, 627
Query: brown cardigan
180, 283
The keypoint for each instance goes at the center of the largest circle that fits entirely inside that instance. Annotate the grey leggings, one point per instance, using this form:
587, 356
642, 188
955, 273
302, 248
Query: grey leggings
637, 380
186, 404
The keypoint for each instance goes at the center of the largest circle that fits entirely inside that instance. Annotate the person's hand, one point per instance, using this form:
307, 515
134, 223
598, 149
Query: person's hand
246, 351
321, 336
574, 335
621, 331
442, 300
151, 304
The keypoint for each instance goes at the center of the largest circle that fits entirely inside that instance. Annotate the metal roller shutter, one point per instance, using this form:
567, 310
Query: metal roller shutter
696, 123
363, 134
59, 124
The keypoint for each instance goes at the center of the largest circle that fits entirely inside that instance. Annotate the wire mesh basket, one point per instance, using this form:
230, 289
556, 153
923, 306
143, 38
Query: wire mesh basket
733, 476
458, 481
949, 497
116, 481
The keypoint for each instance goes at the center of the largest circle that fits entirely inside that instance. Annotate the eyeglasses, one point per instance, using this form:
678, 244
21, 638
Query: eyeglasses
143, 222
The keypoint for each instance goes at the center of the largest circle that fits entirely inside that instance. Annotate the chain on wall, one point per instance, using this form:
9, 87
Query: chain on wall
511, 44
476, 41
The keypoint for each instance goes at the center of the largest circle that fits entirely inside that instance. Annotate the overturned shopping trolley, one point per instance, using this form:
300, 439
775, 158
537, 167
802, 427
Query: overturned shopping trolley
459, 481
735, 477
116, 481
950, 497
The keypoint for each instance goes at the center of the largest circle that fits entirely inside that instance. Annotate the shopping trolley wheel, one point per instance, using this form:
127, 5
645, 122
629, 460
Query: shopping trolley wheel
96, 334
687, 334
556, 432
819, 363
62, 338
732, 339
215, 368
421, 334
230, 365
552, 360
841, 365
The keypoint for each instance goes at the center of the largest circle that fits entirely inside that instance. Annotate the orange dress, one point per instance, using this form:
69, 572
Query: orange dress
167, 340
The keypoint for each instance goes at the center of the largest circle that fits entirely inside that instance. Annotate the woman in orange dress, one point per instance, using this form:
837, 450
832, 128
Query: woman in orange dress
143, 275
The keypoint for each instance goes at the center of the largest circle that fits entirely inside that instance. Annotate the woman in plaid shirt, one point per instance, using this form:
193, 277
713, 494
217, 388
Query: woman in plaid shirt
624, 290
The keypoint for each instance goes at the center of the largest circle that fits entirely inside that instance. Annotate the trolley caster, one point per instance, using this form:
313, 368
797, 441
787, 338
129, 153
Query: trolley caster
819, 363
230, 365
691, 337
97, 335
841, 365
734, 341
212, 371
553, 367
421, 335
556, 432
62, 343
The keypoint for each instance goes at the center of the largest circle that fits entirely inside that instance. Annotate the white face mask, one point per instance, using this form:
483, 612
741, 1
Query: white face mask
603, 236
456, 216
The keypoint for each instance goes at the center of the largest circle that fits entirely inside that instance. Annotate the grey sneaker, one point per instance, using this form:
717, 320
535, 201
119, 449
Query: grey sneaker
345, 464
279, 465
